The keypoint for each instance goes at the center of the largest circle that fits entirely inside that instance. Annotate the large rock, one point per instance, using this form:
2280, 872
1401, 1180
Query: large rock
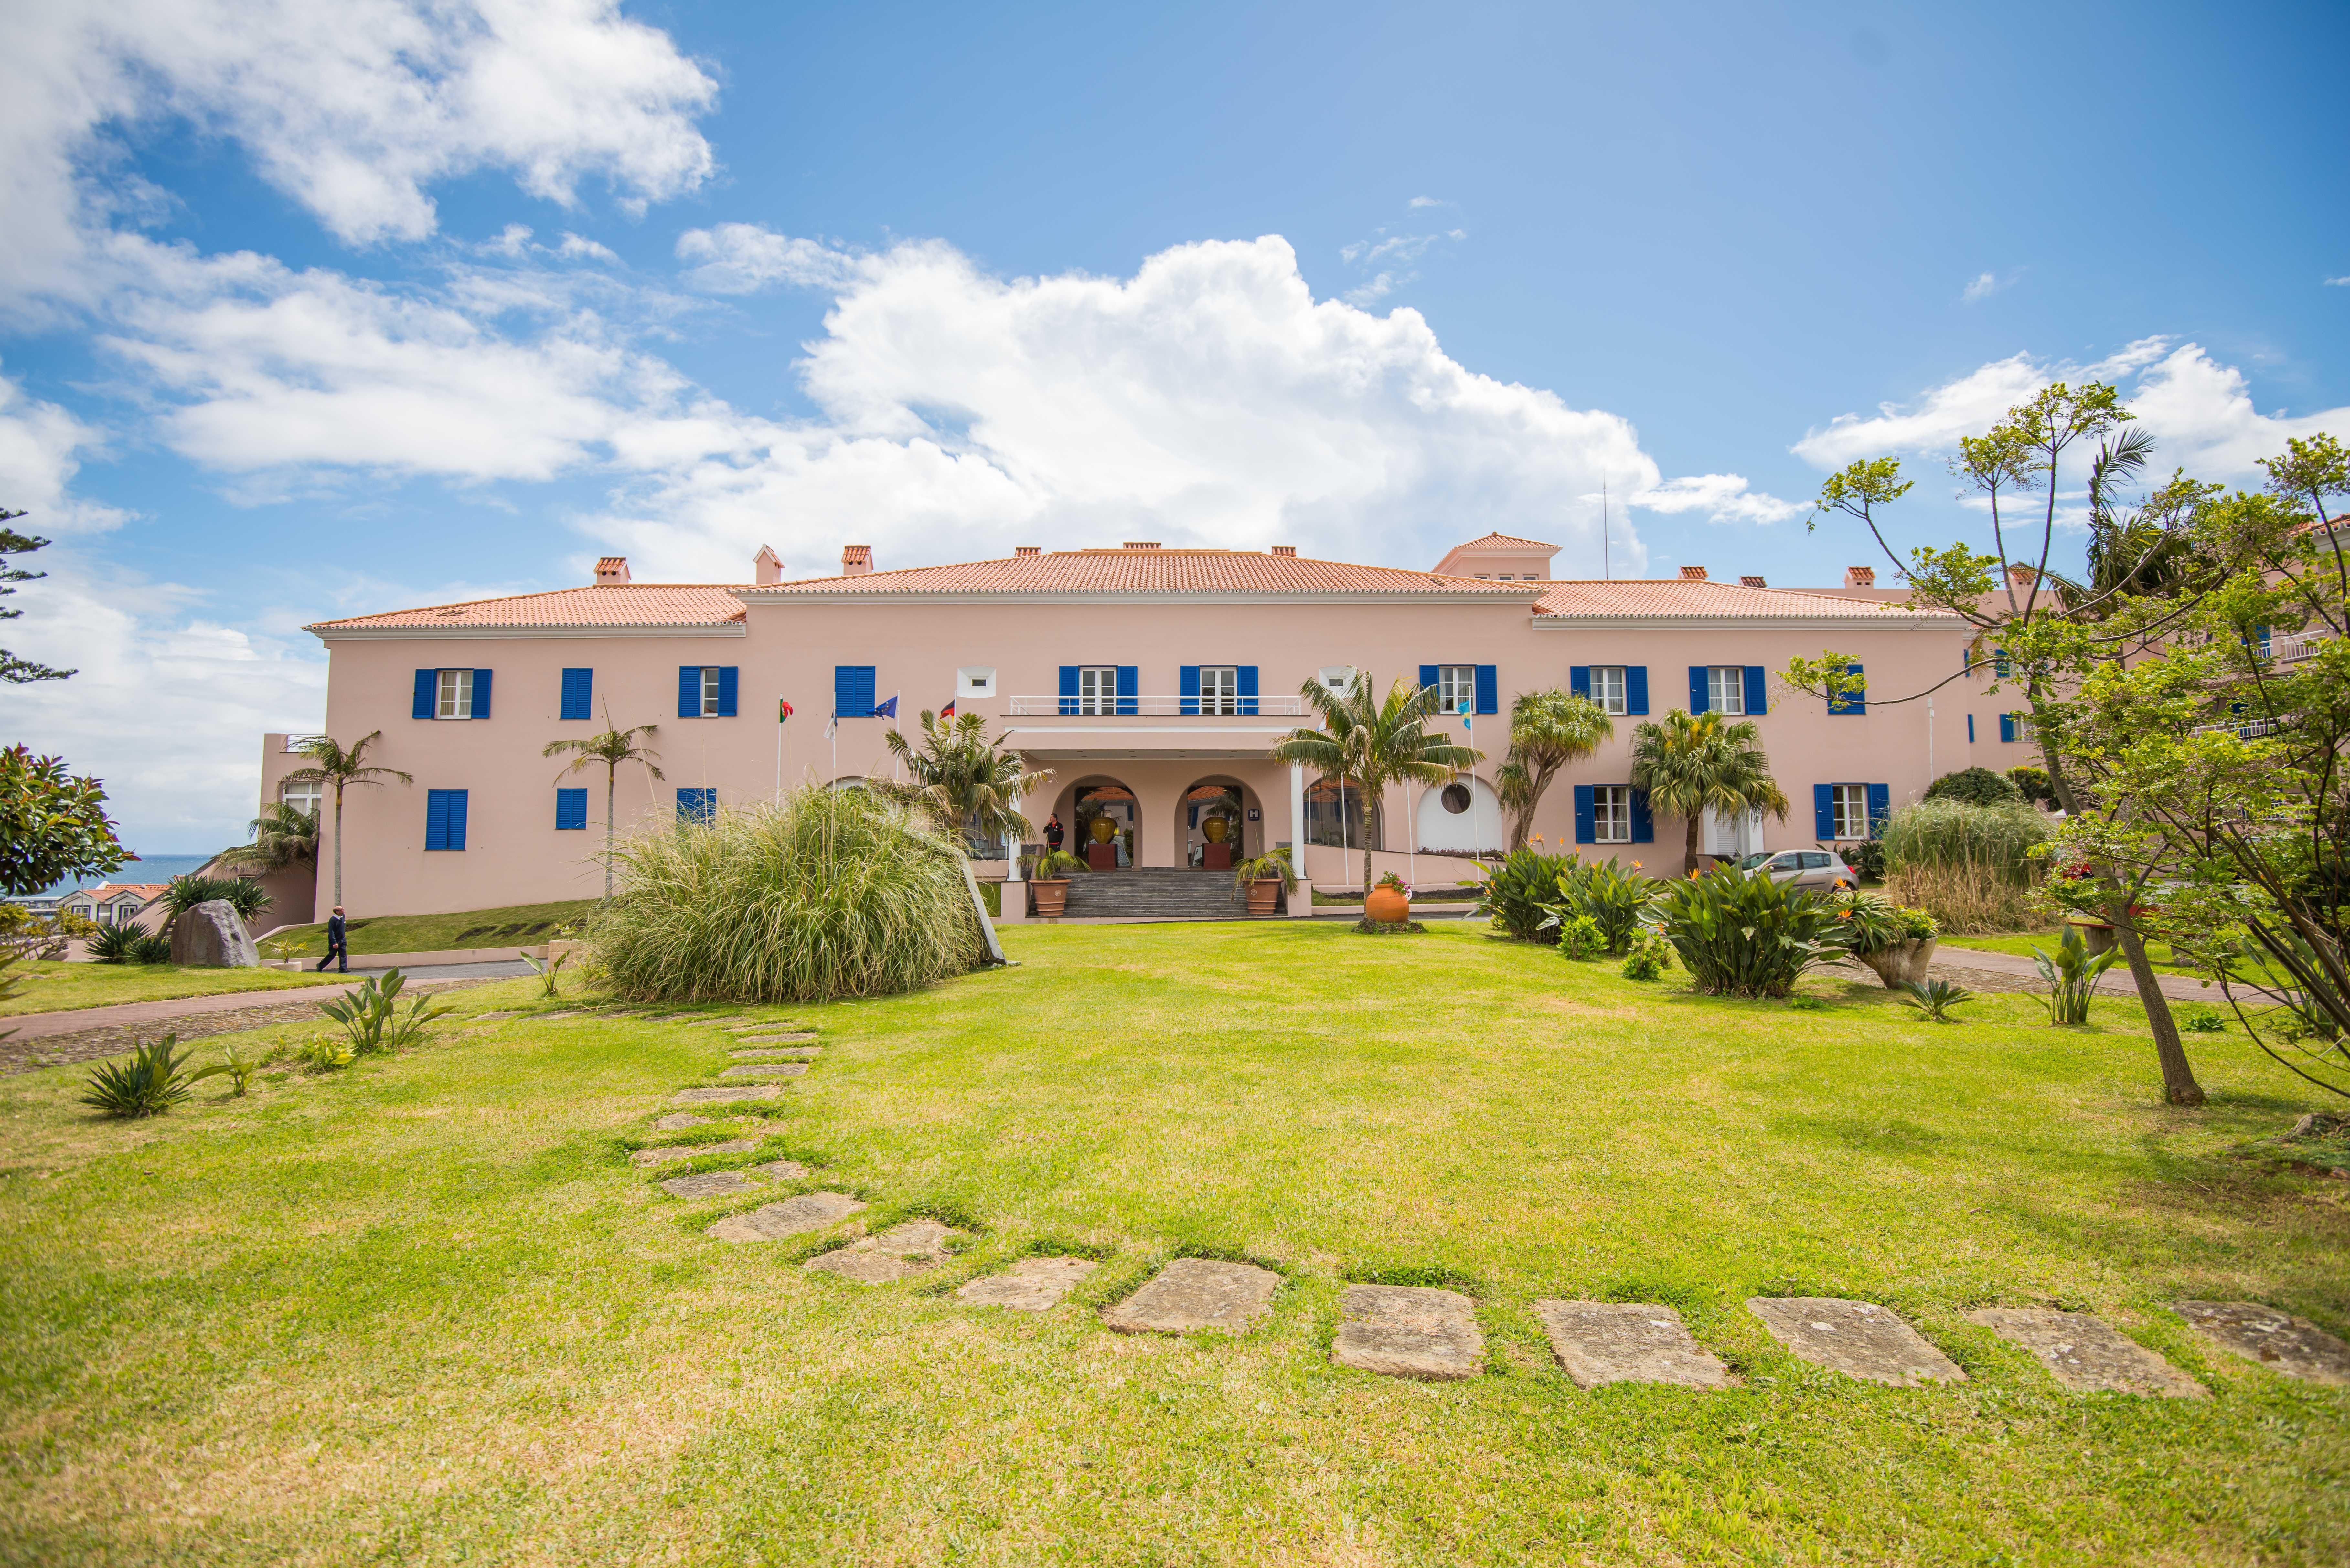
209, 936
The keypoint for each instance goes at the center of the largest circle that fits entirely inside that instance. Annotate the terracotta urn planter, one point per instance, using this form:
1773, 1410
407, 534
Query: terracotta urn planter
1902, 963
1264, 896
1386, 906
1052, 896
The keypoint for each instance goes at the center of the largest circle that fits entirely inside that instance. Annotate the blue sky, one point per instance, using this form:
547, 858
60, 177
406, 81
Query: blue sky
275, 345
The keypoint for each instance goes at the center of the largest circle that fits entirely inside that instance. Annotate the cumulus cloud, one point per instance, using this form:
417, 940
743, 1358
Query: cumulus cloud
742, 258
41, 450
1723, 497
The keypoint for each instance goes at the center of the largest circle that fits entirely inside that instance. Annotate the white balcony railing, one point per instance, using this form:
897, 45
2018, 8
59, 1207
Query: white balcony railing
1289, 707
2286, 647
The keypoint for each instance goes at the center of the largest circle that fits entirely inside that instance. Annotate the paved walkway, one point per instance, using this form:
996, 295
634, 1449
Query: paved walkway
1962, 961
41, 1025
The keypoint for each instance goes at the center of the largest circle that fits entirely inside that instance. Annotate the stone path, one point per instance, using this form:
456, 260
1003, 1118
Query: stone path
678, 1120
775, 1053
1859, 1339
2087, 1356
1194, 1293
797, 1036
766, 1070
712, 1096
1409, 1330
1628, 1342
2277, 1340
87, 1033
671, 1153
900, 1253
710, 1184
1983, 969
1032, 1285
792, 1217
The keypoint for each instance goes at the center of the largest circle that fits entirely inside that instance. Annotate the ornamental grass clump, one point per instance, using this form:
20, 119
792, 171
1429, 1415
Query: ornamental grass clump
828, 893
1747, 936
1971, 867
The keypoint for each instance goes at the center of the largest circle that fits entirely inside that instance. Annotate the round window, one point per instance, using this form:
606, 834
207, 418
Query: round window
1457, 798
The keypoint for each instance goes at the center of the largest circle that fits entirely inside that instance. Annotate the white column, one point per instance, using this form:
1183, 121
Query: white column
1014, 874
1297, 816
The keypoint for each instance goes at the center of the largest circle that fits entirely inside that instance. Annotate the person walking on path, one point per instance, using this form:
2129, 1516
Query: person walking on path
338, 944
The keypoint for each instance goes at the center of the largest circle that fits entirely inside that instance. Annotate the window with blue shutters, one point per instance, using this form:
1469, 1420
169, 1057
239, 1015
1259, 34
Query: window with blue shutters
1586, 829
1578, 680
1489, 689
708, 692
1129, 688
570, 809
697, 806
1722, 689
452, 694
1247, 674
1853, 702
1758, 694
444, 819
1187, 688
852, 690
428, 689
578, 693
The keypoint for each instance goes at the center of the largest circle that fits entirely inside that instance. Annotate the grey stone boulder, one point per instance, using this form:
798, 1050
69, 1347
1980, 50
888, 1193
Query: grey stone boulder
209, 936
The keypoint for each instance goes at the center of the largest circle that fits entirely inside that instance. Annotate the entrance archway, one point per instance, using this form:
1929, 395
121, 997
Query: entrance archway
1211, 824
1104, 817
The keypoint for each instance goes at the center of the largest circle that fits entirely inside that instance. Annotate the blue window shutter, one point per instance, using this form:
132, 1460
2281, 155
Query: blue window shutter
1971, 729
1636, 689
2007, 727
1644, 826
1129, 687
1585, 832
1700, 694
1489, 689
1245, 674
1999, 662
444, 819
1880, 806
570, 809
852, 690
1578, 680
2264, 640
726, 689
697, 806
688, 691
1068, 688
456, 819
428, 692
1187, 688
480, 693
1824, 813
1428, 676
578, 693
1758, 689
1857, 703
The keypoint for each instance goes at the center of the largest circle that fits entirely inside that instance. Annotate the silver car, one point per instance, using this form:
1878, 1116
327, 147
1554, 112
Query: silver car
1821, 870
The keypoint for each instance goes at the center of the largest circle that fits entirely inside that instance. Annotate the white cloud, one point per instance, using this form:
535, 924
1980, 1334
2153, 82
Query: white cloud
742, 258
1963, 407
41, 450
1723, 497
1418, 202
576, 247
1982, 287
1391, 259
2337, 283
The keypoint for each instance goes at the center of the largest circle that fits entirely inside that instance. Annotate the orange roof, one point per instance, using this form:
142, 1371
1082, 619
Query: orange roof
147, 891
1504, 542
599, 605
1674, 596
1150, 571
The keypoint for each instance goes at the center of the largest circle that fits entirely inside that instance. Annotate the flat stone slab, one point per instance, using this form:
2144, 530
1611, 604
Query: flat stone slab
802, 1036
1032, 1285
2277, 1340
776, 1053
486, 1017
742, 1028
2087, 1354
1194, 1293
901, 1252
746, 1092
1628, 1342
708, 1184
781, 1169
668, 1153
766, 1070
677, 1121
566, 1012
1859, 1339
1408, 1331
792, 1217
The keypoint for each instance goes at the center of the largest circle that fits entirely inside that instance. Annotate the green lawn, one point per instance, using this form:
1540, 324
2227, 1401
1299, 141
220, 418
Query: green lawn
422, 1310
516, 926
59, 986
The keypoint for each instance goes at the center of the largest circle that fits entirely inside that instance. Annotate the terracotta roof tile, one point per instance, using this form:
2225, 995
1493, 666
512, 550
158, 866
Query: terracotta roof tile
1505, 542
603, 604
1570, 598
1148, 572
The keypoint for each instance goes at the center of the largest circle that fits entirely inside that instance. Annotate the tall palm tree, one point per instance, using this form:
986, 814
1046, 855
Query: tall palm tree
965, 782
284, 836
337, 767
1687, 764
1374, 742
611, 748
1548, 729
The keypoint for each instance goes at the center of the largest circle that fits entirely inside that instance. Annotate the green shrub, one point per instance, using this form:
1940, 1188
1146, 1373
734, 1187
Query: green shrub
1746, 935
152, 1082
1518, 894
1866, 858
113, 944
2071, 976
148, 948
1610, 897
1648, 959
1872, 922
828, 893
1579, 937
1976, 786
243, 894
372, 1022
2199, 1019
2032, 784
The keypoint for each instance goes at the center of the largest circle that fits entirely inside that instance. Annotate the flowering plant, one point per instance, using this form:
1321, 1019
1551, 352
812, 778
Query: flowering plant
1395, 884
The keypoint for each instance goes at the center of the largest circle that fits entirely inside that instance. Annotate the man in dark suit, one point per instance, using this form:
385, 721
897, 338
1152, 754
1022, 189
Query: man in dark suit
337, 947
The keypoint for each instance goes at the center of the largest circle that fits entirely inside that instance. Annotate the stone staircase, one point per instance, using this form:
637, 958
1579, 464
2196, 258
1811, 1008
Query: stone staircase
1155, 893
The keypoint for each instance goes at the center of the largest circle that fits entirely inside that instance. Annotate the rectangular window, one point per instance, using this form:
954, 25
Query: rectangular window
1607, 690
1456, 687
1611, 814
710, 690
1850, 803
2021, 723
1219, 688
570, 809
1725, 687
697, 806
1097, 688
578, 693
444, 819
456, 699
975, 680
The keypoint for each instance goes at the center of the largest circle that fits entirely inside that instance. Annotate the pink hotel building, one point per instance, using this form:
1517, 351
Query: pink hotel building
1152, 682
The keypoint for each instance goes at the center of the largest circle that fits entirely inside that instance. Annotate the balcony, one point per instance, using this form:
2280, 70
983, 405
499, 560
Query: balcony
1290, 707
2291, 648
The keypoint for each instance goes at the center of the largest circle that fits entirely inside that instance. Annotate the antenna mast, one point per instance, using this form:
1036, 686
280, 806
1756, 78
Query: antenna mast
1606, 568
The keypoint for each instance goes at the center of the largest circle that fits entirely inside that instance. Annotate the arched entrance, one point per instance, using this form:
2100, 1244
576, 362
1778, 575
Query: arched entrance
1461, 817
1211, 824
1104, 818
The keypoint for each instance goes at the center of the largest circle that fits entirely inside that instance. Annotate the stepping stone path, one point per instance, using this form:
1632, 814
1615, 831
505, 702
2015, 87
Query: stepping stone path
1192, 1294
566, 1012
1409, 1330
1033, 1284
766, 1070
1628, 1342
747, 1091
707, 1184
774, 1053
677, 1121
775, 1039
2086, 1353
1859, 1339
782, 1170
792, 1217
762, 1024
2277, 1340
486, 1017
672, 1152
901, 1252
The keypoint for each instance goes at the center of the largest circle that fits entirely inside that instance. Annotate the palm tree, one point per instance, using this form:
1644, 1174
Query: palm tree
284, 836
1375, 744
611, 748
1548, 729
964, 781
1687, 765
332, 765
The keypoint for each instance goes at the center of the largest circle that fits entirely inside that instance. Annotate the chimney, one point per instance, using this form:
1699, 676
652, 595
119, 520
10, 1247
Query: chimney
1860, 577
1285, 549
2021, 576
767, 566
855, 560
1751, 581
612, 569
1692, 574
1022, 552
1142, 544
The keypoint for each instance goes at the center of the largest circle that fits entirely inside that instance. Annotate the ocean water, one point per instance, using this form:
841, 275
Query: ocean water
147, 869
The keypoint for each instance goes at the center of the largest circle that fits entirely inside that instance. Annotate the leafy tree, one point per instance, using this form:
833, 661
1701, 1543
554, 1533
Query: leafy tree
1688, 764
52, 827
612, 748
1976, 786
284, 836
1548, 729
967, 784
15, 670
1374, 742
339, 768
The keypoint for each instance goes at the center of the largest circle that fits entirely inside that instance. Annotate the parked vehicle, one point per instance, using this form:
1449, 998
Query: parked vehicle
1823, 870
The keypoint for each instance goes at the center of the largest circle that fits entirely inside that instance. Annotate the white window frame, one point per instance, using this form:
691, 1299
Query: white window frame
1611, 689
1219, 688
975, 680
1725, 689
453, 694
1611, 814
1097, 688
709, 678
1848, 810
1456, 687
2020, 726
303, 795
1338, 677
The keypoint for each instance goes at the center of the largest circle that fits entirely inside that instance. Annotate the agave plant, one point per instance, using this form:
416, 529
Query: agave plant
1935, 998
370, 1017
2071, 976
1746, 935
148, 947
113, 944
152, 1082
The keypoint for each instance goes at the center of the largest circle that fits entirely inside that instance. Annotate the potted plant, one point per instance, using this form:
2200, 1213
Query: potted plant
1896, 942
1264, 879
1389, 902
1050, 877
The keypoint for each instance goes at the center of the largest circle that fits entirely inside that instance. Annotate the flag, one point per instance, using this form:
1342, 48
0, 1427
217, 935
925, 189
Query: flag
783, 710
887, 710
947, 712
830, 725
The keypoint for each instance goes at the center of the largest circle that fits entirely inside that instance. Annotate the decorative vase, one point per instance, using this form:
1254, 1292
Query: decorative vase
1264, 896
1052, 897
1386, 906
1903, 961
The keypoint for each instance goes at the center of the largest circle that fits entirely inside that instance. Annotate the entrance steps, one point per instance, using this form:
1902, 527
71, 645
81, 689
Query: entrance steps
1155, 893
